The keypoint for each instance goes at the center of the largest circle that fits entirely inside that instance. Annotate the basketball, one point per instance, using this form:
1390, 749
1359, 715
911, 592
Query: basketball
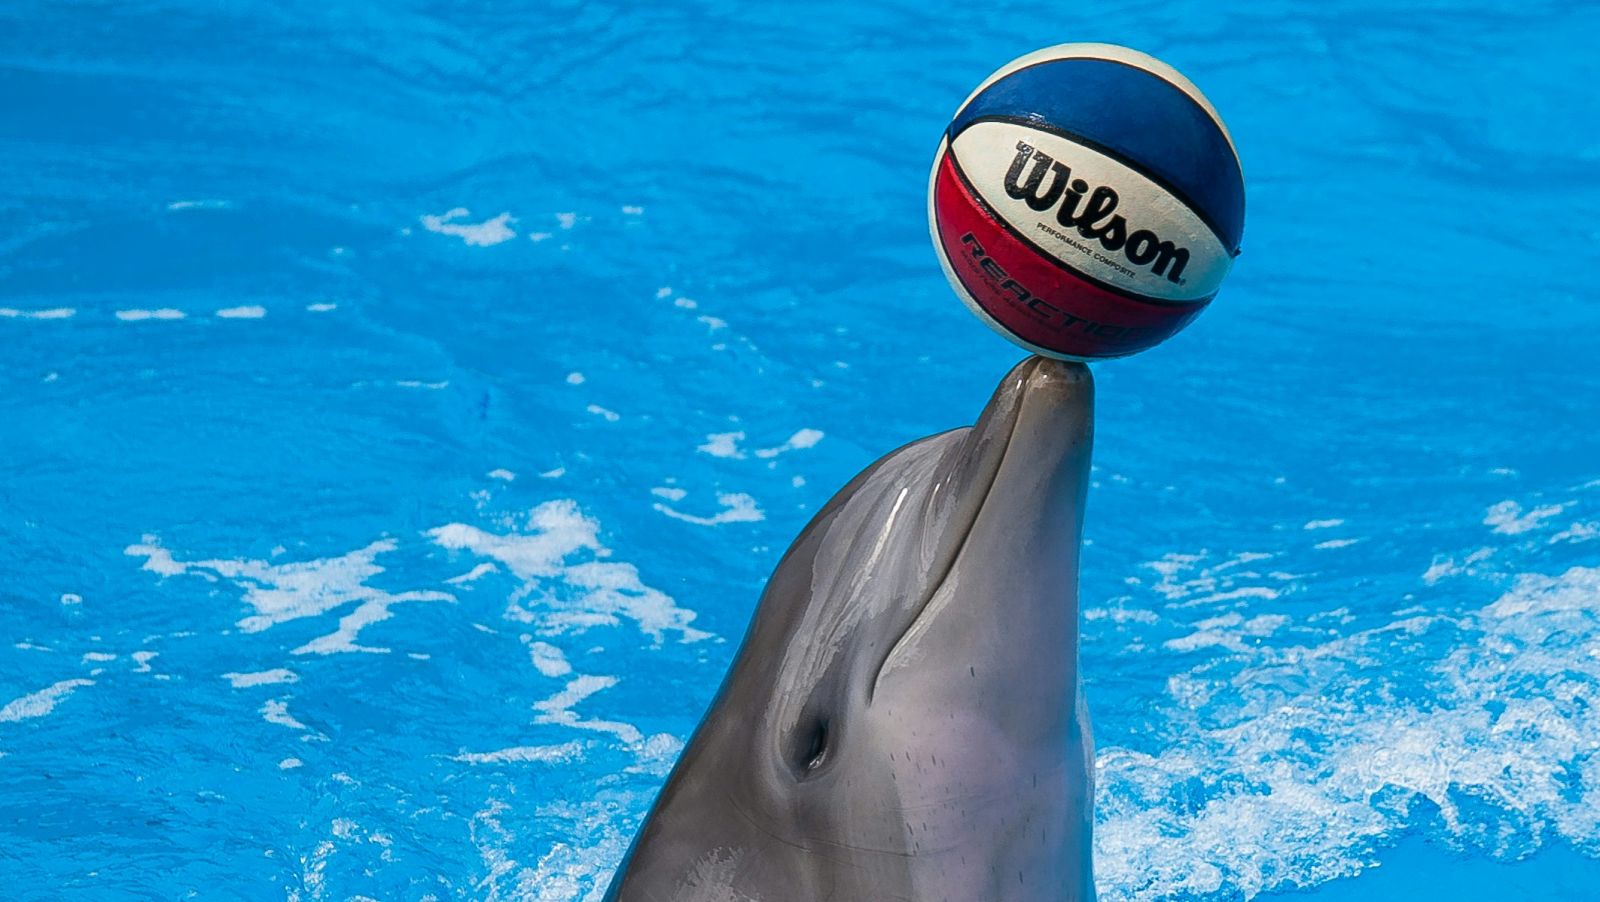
1086, 201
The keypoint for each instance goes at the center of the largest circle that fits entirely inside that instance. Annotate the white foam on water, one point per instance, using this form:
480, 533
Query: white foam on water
1448, 566
557, 473
42, 702
1324, 524
723, 444
609, 416
1231, 631
574, 378
1297, 764
558, 709
417, 383
1335, 543
373, 610
203, 204
143, 659
577, 870
1508, 518
566, 587
48, 313
97, 657
1190, 580
565, 583
495, 844
291, 591
656, 755
477, 234
349, 837
249, 311
1120, 615
547, 659
476, 573
322, 307
567, 220
1577, 532
737, 507
712, 323
805, 438
564, 753
671, 493
139, 315
632, 210
596, 828
276, 711
502, 474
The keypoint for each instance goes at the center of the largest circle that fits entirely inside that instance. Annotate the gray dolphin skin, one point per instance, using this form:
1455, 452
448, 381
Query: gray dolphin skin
905, 720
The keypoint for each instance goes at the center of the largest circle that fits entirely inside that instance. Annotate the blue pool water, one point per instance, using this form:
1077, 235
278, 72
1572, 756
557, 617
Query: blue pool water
402, 405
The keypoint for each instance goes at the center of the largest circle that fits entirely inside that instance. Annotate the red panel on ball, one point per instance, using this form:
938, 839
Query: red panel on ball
1039, 300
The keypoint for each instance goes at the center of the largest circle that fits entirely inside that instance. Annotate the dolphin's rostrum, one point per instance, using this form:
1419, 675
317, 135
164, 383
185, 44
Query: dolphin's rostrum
905, 721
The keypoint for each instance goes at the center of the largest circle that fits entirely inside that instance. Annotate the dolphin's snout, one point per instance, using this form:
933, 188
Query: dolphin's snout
1044, 375
1047, 372
1039, 412
1044, 403
1041, 478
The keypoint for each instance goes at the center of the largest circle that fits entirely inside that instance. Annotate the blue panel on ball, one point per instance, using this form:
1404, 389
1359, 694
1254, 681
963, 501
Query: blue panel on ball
1139, 116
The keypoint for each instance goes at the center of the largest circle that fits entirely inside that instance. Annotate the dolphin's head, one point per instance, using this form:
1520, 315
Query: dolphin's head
904, 719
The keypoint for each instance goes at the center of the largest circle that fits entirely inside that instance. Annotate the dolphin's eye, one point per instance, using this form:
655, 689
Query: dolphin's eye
819, 745
812, 746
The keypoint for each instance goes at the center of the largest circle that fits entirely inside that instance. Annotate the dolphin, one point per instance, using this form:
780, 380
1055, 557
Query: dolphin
905, 719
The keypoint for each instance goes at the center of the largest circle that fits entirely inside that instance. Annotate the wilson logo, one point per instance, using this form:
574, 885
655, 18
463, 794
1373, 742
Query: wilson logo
1091, 211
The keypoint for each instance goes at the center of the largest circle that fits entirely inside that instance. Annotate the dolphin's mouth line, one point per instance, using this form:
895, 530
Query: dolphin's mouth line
988, 472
